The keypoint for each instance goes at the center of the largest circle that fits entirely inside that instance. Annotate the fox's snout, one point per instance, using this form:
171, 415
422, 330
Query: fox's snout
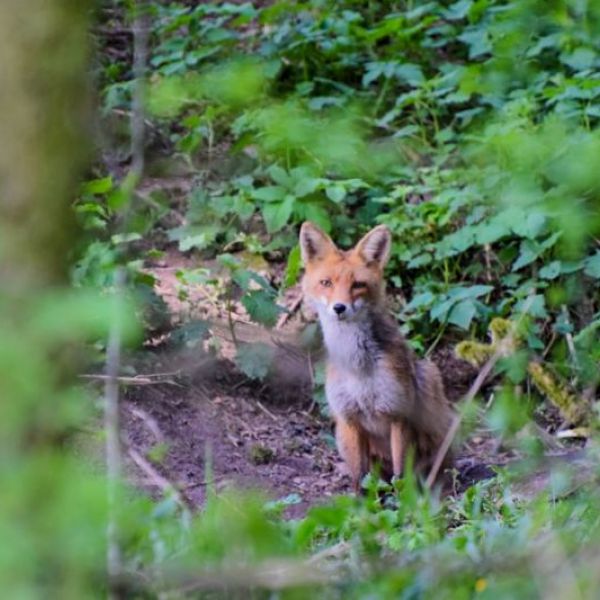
339, 308
341, 311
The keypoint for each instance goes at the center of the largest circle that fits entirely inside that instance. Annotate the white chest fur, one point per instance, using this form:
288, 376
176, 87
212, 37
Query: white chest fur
360, 384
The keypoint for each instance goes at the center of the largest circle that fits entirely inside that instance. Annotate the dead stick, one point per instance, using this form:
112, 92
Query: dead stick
161, 482
266, 410
149, 421
114, 457
456, 421
288, 314
135, 380
507, 342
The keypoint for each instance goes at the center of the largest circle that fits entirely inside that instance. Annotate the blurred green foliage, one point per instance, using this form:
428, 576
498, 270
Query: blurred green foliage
470, 128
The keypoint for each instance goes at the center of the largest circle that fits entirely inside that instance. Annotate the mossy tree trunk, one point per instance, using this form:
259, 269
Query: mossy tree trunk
44, 128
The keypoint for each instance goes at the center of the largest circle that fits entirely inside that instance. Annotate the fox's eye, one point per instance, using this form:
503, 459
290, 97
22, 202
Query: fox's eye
358, 285
325, 282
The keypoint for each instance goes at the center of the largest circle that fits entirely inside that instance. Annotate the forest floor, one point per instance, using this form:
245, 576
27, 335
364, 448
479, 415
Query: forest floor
194, 419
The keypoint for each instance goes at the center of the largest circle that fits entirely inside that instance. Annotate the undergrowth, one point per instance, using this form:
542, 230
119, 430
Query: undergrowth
470, 128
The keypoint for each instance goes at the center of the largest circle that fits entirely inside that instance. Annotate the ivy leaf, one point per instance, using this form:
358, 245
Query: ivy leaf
277, 214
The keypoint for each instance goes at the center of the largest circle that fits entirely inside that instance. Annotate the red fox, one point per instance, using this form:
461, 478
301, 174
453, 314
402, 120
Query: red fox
384, 401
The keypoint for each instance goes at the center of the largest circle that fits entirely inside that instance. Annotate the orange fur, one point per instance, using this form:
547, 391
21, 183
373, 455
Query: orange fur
384, 400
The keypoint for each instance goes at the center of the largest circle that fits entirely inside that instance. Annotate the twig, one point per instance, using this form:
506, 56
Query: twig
457, 419
141, 30
113, 442
266, 411
135, 380
286, 316
272, 574
569, 338
204, 483
473, 390
161, 482
331, 552
150, 423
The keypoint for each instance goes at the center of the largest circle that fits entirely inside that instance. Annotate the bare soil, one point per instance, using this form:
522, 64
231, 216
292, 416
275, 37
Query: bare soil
198, 421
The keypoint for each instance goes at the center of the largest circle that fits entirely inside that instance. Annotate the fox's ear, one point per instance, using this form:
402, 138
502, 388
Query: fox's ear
375, 246
314, 243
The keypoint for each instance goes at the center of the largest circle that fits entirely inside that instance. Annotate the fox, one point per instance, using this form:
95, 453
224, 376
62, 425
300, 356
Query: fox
384, 401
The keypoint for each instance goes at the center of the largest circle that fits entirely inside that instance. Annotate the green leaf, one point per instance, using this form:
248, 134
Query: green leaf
279, 175
592, 266
292, 268
98, 186
270, 193
551, 271
488, 233
536, 306
420, 300
306, 186
410, 73
277, 214
124, 238
315, 212
462, 314
478, 41
529, 251
336, 193
439, 311
419, 261
254, 360
472, 291
261, 307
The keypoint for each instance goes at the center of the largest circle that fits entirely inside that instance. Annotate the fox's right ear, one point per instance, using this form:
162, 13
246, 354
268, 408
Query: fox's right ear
314, 243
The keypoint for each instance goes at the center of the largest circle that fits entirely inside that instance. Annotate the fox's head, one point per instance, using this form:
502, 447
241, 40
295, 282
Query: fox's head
342, 284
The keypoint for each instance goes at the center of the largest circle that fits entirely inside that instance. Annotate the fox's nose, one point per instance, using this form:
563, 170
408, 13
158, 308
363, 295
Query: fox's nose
339, 308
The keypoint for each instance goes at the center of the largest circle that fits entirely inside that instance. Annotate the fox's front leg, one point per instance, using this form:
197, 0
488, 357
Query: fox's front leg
353, 446
398, 442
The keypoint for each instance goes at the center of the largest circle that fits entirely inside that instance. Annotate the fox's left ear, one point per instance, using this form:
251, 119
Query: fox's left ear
375, 246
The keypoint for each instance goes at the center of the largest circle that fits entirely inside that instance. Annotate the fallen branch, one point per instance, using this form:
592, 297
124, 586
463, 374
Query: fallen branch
456, 421
135, 380
150, 423
266, 411
161, 482
501, 348
114, 454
